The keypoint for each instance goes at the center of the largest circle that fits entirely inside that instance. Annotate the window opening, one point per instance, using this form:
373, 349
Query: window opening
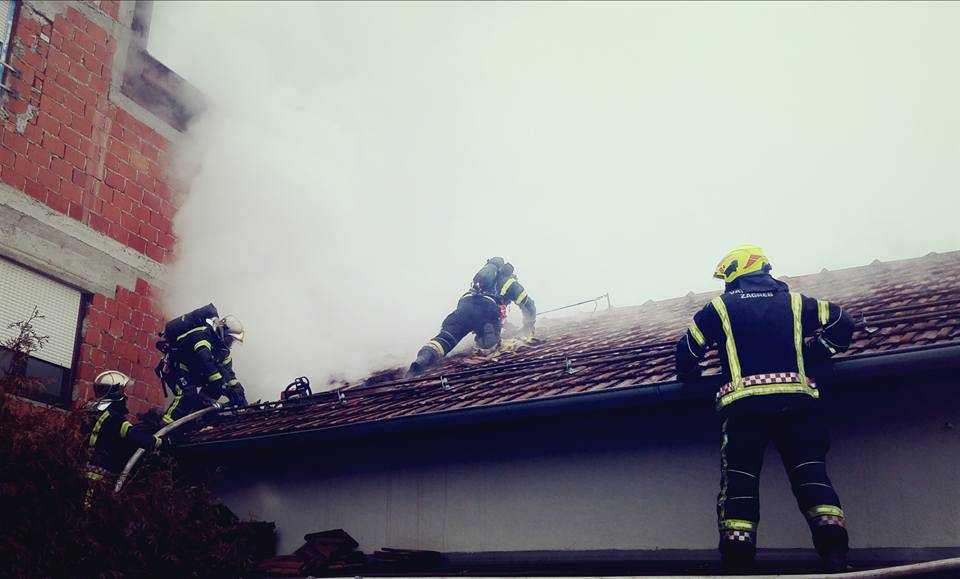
22, 290
8, 9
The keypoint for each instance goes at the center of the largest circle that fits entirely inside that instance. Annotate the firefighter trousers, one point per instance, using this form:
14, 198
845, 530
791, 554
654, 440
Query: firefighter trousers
802, 440
99, 481
187, 400
473, 314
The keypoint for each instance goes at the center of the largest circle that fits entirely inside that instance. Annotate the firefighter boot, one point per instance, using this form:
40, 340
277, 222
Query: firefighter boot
736, 556
832, 544
489, 337
426, 357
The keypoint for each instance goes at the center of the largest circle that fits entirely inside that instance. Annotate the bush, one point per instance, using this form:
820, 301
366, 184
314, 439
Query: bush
161, 525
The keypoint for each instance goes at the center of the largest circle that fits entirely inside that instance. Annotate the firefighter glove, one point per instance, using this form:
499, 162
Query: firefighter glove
235, 394
817, 351
528, 329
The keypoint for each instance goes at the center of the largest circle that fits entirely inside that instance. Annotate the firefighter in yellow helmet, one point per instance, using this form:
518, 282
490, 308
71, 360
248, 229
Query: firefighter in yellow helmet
771, 342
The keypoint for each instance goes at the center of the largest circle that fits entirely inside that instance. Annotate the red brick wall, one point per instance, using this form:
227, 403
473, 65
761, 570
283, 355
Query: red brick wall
66, 144
119, 333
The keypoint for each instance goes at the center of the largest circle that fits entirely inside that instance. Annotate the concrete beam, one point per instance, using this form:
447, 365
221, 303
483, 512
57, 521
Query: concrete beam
63, 248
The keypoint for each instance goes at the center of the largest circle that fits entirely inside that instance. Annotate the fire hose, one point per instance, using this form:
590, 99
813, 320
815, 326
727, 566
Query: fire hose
165, 430
595, 301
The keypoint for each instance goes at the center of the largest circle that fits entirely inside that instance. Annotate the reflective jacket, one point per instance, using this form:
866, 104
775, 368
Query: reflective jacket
759, 327
197, 353
509, 290
112, 439
204, 360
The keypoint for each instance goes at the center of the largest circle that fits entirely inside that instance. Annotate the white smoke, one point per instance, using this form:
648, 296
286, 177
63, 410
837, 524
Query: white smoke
360, 161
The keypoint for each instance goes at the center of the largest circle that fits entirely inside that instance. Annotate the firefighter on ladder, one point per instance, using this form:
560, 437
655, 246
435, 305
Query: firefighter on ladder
771, 342
481, 310
197, 365
111, 438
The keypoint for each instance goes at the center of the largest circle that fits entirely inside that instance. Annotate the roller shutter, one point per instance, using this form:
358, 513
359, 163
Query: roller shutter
20, 291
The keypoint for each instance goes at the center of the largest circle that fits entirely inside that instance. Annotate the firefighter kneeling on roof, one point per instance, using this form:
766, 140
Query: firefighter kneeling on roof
197, 365
759, 327
481, 310
112, 439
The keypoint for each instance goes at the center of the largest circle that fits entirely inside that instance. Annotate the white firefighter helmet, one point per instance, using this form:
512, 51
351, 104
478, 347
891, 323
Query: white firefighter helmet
230, 325
110, 386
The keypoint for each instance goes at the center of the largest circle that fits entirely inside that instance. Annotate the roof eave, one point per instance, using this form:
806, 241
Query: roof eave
845, 371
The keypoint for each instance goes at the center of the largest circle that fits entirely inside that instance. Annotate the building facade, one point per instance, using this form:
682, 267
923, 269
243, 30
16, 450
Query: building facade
637, 479
584, 447
89, 120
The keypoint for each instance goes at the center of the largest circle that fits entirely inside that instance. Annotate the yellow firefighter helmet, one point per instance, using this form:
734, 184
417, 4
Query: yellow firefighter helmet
741, 261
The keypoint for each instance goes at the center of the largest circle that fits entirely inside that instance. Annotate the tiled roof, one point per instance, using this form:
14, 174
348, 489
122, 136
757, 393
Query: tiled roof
908, 303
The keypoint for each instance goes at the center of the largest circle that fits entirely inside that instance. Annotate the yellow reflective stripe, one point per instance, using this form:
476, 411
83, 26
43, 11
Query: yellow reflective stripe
773, 389
827, 345
157, 442
796, 302
203, 344
232, 382
168, 417
437, 346
94, 475
821, 510
214, 377
737, 524
187, 333
735, 375
697, 334
491, 299
95, 433
124, 428
227, 360
184, 367
520, 297
823, 310
506, 286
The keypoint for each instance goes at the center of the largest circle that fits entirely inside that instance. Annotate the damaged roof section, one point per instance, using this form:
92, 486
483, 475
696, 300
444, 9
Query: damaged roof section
899, 306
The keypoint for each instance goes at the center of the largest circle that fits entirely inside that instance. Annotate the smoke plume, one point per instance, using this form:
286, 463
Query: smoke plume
359, 162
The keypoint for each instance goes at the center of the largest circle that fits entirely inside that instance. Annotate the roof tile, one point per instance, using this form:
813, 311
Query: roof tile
910, 302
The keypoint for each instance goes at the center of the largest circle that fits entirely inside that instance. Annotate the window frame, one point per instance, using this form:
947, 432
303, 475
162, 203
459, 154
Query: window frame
7, 31
69, 377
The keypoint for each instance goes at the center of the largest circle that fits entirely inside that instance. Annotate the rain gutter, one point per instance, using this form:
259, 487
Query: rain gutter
845, 372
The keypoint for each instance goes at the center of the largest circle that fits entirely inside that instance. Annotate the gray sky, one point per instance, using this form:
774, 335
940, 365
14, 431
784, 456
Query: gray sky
361, 161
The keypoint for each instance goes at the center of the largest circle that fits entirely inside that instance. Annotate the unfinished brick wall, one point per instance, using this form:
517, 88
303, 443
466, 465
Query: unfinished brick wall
119, 333
66, 144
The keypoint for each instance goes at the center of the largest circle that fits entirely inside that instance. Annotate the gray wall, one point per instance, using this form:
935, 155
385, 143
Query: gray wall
636, 479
